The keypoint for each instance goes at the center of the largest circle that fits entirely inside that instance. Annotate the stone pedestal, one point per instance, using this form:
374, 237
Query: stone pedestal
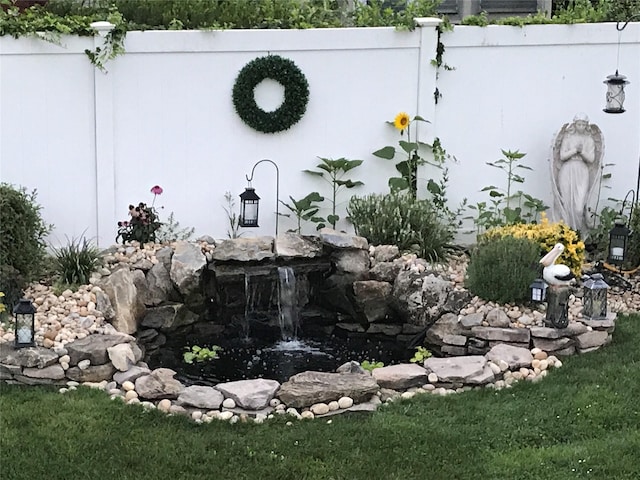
557, 307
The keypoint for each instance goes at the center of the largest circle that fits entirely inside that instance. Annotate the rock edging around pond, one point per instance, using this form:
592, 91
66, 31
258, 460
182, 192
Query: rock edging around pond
96, 358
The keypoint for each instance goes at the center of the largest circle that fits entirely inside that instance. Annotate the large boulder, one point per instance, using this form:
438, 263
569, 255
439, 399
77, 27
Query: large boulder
123, 296
250, 394
95, 348
373, 298
187, 264
158, 384
307, 388
420, 298
201, 397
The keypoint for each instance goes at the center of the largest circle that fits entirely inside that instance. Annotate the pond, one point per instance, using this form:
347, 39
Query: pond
242, 359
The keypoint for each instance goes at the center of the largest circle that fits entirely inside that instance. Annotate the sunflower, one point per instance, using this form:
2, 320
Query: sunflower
401, 121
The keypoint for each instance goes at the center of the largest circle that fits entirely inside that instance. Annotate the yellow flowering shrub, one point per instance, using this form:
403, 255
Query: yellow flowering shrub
546, 234
3, 307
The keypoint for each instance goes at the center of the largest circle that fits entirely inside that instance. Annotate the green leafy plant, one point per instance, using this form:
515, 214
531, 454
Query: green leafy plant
234, 221
22, 243
332, 171
75, 262
369, 366
399, 219
546, 234
501, 270
200, 354
144, 222
506, 206
4, 315
420, 355
170, 231
633, 248
305, 209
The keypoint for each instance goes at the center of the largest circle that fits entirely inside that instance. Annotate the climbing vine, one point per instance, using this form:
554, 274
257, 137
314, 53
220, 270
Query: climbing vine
296, 94
49, 26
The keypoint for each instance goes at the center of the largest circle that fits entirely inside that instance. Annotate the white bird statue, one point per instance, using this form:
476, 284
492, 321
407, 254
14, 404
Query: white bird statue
553, 274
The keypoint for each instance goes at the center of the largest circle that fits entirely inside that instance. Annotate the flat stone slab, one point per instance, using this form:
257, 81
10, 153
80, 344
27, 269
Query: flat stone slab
573, 329
592, 339
292, 245
250, 394
38, 357
516, 357
519, 335
457, 369
400, 377
308, 388
343, 240
244, 249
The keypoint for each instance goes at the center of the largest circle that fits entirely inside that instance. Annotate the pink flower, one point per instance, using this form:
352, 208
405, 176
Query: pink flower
156, 190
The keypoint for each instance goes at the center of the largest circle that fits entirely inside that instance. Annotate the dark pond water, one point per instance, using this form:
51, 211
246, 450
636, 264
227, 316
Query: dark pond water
242, 359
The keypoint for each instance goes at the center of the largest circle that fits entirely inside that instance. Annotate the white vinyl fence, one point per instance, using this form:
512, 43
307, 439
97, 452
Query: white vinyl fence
92, 143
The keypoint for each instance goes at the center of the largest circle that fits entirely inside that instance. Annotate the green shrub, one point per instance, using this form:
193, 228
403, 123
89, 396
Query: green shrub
398, 219
633, 250
11, 283
501, 270
75, 262
22, 245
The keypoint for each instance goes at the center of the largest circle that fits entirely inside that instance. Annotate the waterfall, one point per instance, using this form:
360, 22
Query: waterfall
287, 303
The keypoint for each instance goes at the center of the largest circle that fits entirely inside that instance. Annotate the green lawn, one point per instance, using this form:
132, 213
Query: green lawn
581, 421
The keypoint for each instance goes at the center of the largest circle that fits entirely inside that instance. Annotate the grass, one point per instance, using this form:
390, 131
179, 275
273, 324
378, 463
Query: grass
581, 421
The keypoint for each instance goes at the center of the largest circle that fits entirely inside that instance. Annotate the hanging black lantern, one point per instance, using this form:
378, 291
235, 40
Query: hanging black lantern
25, 323
615, 93
538, 290
249, 201
594, 298
618, 237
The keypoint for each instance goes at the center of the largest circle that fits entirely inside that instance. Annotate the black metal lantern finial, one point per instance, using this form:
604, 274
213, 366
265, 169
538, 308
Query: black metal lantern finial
594, 298
24, 315
249, 199
538, 290
249, 202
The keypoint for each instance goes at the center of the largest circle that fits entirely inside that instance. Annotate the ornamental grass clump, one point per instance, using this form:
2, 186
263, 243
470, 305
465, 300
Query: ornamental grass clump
501, 270
398, 219
546, 234
76, 261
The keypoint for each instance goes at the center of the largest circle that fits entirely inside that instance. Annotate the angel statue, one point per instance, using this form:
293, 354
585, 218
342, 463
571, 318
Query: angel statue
575, 172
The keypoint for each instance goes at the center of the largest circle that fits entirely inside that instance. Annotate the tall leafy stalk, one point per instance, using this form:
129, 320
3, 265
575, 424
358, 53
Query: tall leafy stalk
332, 171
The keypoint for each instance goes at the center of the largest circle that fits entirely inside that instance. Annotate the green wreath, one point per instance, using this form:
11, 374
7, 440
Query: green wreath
296, 94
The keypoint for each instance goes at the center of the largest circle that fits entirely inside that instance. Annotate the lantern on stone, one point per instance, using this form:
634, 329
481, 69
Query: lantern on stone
249, 201
538, 290
25, 323
594, 298
618, 238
